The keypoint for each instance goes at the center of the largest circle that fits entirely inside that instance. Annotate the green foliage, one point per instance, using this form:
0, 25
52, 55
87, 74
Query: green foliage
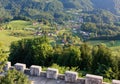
86, 56
104, 63
31, 51
79, 4
90, 27
62, 69
14, 77
54, 6
108, 5
101, 31
3, 59
94, 59
37, 9
70, 56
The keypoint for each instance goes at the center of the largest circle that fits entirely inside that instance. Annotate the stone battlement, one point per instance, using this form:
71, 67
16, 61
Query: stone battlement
51, 73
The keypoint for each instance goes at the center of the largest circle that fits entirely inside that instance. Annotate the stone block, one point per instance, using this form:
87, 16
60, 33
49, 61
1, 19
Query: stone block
12, 68
52, 73
43, 74
70, 76
27, 71
35, 70
7, 66
81, 80
61, 76
115, 81
93, 79
20, 67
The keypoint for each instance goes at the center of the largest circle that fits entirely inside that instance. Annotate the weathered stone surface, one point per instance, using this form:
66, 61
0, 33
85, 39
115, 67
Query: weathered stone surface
115, 81
81, 80
35, 70
52, 73
61, 76
12, 68
43, 74
27, 71
71, 76
20, 67
7, 66
93, 79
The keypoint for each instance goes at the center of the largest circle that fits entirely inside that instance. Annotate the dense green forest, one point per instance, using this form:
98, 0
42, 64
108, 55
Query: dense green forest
52, 9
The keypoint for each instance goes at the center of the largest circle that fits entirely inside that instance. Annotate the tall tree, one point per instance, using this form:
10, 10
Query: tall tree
104, 63
86, 56
31, 51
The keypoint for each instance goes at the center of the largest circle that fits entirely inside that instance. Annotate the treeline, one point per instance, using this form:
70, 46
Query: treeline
57, 10
101, 30
116, 37
31, 9
93, 59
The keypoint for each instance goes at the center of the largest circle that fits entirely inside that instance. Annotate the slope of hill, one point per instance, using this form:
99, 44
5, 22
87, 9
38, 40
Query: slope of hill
86, 5
48, 8
111, 5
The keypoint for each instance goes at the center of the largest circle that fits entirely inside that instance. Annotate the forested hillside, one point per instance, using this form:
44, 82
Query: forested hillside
111, 5
51, 8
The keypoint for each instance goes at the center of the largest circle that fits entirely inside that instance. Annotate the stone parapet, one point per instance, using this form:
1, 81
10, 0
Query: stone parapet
115, 81
52, 73
20, 67
61, 76
93, 79
35, 70
7, 66
43, 74
71, 76
81, 80
27, 71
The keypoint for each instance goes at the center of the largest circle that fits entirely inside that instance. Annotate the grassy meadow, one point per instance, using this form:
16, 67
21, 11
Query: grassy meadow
6, 39
12, 30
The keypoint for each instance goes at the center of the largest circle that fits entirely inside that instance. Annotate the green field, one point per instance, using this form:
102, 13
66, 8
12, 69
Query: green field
20, 24
113, 45
11, 30
5, 39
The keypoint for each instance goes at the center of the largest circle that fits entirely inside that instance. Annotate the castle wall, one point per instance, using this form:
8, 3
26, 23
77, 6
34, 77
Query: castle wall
53, 74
